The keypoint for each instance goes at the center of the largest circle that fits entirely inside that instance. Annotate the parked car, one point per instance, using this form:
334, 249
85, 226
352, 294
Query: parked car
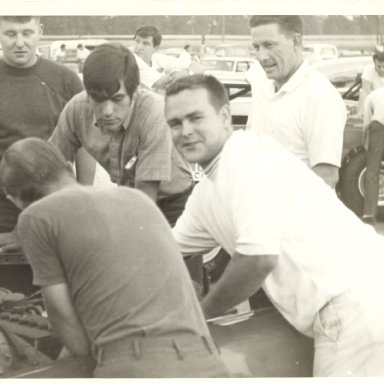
226, 65
237, 50
324, 51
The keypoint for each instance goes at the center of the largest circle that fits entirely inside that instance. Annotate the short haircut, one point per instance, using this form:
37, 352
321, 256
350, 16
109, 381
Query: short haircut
149, 30
20, 19
187, 46
30, 166
378, 56
105, 67
218, 95
289, 24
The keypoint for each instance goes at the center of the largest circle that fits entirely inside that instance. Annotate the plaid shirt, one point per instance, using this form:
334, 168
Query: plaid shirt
142, 150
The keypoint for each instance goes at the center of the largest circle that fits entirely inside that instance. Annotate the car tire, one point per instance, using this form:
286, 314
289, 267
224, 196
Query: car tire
351, 182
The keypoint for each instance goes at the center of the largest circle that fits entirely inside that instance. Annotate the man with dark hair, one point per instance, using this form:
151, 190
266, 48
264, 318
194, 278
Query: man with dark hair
34, 91
147, 40
121, 124
298, 106
372, 77
113, 287
285, 229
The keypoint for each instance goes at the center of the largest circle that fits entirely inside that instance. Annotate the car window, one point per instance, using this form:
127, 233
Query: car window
327, 51
242, 66
218, 65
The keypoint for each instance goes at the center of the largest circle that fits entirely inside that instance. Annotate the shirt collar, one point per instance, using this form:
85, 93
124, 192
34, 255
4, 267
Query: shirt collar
296, 79
210, 169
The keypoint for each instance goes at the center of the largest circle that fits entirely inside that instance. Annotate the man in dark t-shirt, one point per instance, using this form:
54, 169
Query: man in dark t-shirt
114, 283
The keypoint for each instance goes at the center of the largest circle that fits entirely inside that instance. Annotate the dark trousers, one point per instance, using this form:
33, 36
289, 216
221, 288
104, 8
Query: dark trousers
375, 154
177, 356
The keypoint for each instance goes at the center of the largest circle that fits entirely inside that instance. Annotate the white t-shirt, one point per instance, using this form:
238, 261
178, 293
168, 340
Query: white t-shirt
372, 77
148, 75
307, 116
258, 199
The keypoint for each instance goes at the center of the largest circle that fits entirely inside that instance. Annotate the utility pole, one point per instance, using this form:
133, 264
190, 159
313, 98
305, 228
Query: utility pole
223, 28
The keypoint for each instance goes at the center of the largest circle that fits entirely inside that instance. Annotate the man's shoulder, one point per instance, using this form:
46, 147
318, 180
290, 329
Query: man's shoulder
47, 66
80, 100
148, 100
316, 85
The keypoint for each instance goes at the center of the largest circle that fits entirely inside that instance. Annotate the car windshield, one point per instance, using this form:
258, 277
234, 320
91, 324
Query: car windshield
218, 65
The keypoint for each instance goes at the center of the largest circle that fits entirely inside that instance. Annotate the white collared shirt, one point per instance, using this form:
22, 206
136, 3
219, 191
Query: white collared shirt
307, 116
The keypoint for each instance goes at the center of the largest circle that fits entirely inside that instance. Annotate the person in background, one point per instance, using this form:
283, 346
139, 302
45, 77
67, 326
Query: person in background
81, 54
147, 40
300, 108
113, 287
285, 229
185, 57
33, 93
61, 54
372, 77
373, 135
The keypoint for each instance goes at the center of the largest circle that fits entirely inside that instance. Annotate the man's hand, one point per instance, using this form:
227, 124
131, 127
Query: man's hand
9, 242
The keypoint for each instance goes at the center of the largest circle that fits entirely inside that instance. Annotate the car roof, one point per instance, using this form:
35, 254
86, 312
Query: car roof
343, 65
228, 58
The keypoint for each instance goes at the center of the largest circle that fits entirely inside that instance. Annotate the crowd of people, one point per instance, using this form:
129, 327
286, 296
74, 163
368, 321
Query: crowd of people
110, 261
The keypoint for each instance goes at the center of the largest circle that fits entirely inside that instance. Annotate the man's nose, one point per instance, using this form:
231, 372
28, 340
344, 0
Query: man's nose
261, 54
187, 128
19, 40
107, 108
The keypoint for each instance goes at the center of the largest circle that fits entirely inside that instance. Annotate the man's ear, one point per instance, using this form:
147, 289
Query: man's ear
226, 114
297, 40
41, 29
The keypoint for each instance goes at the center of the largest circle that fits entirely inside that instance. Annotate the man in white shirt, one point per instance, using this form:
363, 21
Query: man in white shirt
372, 77
285, 230
300, 108
147, 40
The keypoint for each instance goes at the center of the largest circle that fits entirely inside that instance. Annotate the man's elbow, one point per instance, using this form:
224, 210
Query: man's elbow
329, 173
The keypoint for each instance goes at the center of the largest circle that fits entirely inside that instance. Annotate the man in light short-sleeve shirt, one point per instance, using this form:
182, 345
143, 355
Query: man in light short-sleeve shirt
299, 107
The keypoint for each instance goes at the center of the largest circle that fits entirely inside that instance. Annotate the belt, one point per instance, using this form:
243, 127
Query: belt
136, 347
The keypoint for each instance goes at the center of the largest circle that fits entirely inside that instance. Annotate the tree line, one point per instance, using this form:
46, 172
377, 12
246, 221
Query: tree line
204, 25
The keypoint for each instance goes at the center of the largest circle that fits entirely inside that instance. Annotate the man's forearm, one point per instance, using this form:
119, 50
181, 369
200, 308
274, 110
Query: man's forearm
243, 277
64, 319
85, 167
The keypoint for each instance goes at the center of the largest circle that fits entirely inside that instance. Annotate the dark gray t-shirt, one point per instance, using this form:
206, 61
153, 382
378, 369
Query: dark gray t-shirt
116, 252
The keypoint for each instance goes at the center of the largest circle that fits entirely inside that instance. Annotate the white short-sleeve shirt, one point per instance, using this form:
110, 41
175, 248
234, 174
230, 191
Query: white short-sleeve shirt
372, 76
307, 116
258, 199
